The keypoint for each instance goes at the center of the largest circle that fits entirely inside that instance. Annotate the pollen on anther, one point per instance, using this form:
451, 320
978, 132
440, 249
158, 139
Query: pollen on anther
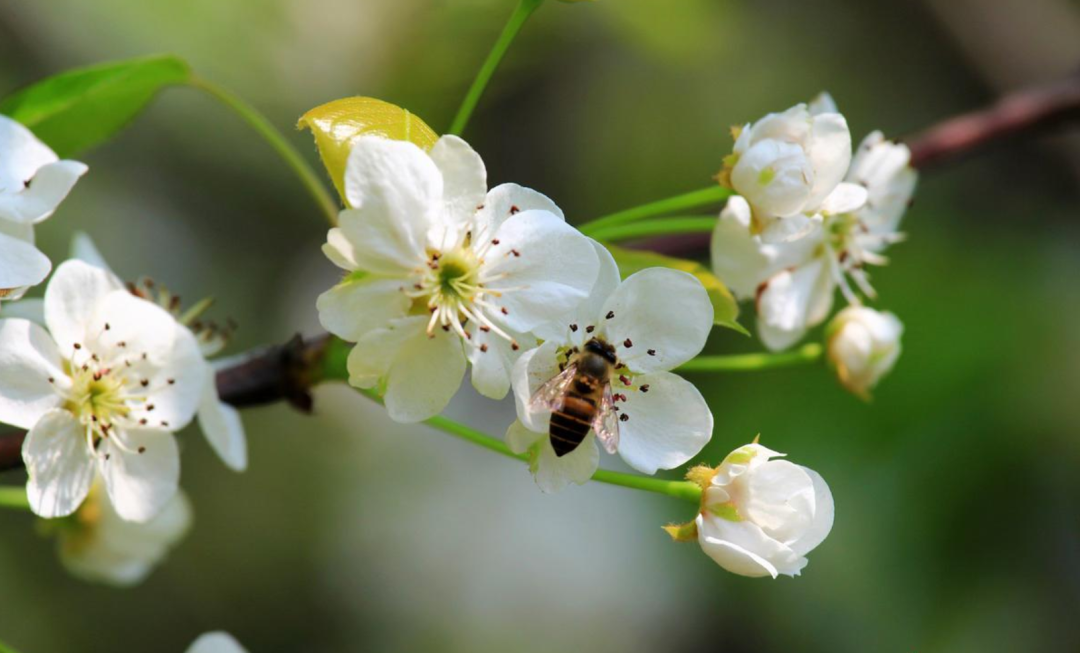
627, 343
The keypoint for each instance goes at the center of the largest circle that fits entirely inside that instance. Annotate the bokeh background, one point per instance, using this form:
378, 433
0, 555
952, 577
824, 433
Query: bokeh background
958, 523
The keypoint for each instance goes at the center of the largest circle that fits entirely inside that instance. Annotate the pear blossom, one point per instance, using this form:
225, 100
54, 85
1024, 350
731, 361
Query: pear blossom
655, 320
759, 516
101, 391
863, 346
96, 544
443, 272
216, 642
33, 182
790, 168
220, 423
884, 169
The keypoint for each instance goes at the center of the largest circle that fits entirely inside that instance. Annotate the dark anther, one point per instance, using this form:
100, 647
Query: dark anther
494, 241
589, 329
504, 311
107, 327
142, 449
627, 343
485, 328
515, 346
645, 388
78, 346
483, 347
515, 252
573, 327
144, 383
610, 314
625, 381
623, 417
651, 352
514, 209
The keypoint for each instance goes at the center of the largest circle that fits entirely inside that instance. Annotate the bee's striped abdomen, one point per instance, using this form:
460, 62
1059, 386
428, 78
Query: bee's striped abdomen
572, 422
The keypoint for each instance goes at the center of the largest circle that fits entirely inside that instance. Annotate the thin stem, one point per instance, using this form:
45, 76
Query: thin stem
686, 201
274, 138
808, 353
14, 498
657, 227
524, 9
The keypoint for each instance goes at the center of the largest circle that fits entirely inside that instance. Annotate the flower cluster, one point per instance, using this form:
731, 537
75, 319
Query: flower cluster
808, 219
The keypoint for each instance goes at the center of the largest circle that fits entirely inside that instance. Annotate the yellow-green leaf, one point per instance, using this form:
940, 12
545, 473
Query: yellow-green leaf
725, 308
80, 108
336, 124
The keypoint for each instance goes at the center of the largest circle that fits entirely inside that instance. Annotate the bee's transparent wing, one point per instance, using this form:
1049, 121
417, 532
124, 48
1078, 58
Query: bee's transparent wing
549, 397
606, 422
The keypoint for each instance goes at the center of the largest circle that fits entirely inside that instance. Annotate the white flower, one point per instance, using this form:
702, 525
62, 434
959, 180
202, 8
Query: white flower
793, 282
760, 517
863, 345
788, 164
444, 271
219, 422
98, 545
101, 392
216, 642
884, 169
654, 321
33, 182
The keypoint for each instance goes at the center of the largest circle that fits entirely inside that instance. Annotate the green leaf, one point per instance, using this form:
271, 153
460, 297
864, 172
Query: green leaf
78, 109
725, 308
336, 124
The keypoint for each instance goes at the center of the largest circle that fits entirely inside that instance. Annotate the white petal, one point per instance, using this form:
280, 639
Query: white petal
422, 373
743, 548
59, 464
506, 200
823, 103
24, 154
142, 476
21, 264
659, 310
535, 368
845, 198
107, 549
553, 473
491, 366
792, 229
739, 258
28, 359
32, 309
338, 249
396, 192
830, 154
216, 642
793, 302
552, 271
792, 126
84, 249
589, 311
49, 186
666, 426
222, 427
71, 300
823, 516
156, 348
779, 497
774, 176
464, 176
351, 309
519, 438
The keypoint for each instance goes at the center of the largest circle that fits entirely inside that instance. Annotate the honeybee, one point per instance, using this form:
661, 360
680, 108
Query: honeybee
580, 398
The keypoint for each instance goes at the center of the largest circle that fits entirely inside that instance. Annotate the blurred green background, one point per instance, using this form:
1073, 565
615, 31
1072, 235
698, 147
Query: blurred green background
958, 524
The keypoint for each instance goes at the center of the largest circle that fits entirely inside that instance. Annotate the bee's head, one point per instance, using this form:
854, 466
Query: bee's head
601, 348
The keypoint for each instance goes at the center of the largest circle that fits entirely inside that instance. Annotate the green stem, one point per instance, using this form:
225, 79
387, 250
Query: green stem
686, 201
657, 227
524, 9
274, 138
334, 368
14, 498
808, 353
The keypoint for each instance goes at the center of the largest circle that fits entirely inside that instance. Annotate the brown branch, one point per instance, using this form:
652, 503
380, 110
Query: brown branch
287, 372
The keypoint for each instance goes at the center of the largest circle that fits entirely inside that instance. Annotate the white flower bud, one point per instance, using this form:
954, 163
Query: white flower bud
760, 517
863, 345
787, 163
884, 169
